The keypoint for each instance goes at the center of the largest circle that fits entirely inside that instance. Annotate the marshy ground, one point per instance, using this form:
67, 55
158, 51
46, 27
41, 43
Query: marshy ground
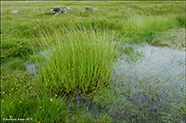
122, 63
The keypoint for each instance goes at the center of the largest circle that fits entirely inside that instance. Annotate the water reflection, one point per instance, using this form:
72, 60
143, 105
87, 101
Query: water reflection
152, 84
158, 62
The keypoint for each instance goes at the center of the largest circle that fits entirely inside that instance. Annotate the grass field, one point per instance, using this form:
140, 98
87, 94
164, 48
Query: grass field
79, 53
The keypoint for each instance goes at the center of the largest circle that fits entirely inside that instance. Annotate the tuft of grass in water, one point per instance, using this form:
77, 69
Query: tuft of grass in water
127, 50
79, 61
146, 36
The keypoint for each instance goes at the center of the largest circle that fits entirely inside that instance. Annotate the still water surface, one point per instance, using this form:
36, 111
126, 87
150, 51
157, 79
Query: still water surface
156, 62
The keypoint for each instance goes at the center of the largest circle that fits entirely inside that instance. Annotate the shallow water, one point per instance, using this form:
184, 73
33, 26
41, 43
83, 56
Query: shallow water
146, 85
142, 88
160, 62
157, 79
30, 67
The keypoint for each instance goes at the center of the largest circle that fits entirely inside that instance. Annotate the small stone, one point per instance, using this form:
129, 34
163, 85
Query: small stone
95, 9
70, 9
89, 8
56, 14
65, 10
83, 10
14, 11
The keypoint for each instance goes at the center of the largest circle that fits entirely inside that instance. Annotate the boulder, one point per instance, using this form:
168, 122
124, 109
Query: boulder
89, 8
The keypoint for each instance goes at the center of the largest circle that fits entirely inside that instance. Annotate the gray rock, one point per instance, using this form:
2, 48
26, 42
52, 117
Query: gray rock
56, 14
14, 11
95, 9
65, 10
57, 9
83, 10
70, 9
89, 8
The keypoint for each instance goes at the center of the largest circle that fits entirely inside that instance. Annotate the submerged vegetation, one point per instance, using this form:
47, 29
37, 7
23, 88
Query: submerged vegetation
75, 54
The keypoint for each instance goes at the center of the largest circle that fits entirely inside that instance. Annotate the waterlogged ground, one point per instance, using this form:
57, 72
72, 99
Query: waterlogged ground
148, 80
174, 39
148, 84
144, 89
153, 81
149, 88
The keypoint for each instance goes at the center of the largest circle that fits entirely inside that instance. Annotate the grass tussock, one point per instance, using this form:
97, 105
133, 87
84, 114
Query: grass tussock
79, 61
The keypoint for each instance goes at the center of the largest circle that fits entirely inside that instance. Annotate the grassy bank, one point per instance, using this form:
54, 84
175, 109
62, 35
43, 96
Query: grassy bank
78, 59
120, 16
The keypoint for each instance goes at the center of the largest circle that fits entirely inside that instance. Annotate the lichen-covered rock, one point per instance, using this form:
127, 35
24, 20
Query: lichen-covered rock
89, 8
